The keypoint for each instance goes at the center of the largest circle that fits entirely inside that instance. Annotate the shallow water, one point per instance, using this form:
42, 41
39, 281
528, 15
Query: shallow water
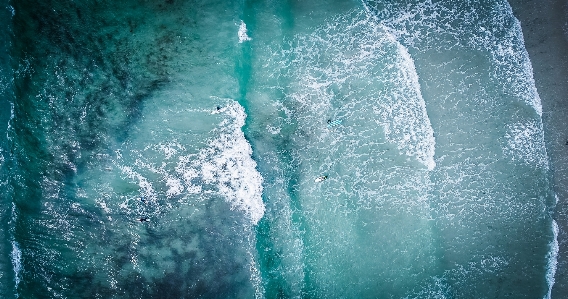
169, 149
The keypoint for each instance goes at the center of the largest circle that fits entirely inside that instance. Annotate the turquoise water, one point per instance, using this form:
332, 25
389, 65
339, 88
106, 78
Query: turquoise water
169, 150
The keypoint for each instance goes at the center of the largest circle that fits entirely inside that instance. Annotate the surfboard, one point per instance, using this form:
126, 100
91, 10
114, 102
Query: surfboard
334, 123
320, 179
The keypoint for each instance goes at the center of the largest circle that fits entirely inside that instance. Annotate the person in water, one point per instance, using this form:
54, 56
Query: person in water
144, 219
217, 110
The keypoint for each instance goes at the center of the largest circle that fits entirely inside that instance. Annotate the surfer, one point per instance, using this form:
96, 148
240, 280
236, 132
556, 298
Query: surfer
144, 219
217, 110
333, 123
321, 178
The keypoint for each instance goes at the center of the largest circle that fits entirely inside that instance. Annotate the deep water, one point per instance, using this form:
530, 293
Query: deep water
169, 149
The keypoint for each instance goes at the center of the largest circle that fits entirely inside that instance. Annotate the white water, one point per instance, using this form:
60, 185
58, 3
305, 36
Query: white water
552, 257
243, 37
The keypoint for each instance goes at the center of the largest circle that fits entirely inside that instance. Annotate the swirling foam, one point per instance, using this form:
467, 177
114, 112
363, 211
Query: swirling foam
501, 37
243, 37
224, 167
525, 142
336, 60
552, 257
227, 164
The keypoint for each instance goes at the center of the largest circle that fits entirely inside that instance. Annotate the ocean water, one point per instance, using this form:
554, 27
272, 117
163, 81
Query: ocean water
168, 149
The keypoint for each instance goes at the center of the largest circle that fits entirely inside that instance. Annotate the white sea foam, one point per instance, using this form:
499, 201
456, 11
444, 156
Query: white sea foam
243, 37
223, 167
525, 142
552, 258
340, 56
500, 36
424, 151
16, 262
510, 56
16, 254
170, 148
255, 276
227, 164
146, 187
438, 288
514, 57
9, 130
273, 130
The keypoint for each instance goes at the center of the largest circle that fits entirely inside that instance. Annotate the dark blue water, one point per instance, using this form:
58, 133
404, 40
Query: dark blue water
6, 99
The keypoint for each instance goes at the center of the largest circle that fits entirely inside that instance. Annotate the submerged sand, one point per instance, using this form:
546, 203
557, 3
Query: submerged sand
545, 29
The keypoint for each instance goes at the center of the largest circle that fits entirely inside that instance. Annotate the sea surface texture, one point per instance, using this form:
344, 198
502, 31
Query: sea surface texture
169, 149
